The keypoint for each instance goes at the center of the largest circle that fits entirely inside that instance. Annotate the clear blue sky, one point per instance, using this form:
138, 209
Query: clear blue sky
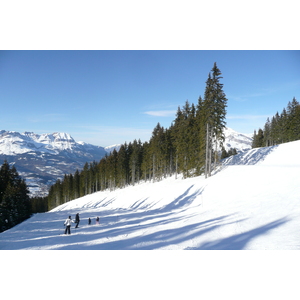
109, 97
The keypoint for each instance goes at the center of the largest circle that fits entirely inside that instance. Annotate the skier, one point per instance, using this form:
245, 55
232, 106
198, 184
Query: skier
77, 220
68, 225
90, 221
97, 221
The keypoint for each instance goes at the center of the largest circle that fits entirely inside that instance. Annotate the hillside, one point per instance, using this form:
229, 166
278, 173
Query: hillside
252, 202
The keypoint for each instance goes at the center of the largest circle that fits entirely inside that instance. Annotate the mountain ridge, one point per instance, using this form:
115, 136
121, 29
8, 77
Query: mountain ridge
43, 158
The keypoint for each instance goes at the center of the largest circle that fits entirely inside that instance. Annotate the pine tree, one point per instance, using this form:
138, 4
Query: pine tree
76, 185
84, 180
176, 137
283, 126
122, 167
214, 112
293, 120
224, 153
135, 162
267, 134
297, 122
156, 152
201, 128
146, 165
254, 138
260, 138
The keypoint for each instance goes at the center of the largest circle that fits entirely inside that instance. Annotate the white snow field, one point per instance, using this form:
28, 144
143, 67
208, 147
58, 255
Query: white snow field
252, 203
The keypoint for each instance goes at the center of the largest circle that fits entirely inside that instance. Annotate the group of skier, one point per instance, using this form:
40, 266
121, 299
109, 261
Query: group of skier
69, 221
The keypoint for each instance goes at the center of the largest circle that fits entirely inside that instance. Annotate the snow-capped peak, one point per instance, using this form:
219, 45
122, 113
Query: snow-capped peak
111, 148
239, 141
12, 143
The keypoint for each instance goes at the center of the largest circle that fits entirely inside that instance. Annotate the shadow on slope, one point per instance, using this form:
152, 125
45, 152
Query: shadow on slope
148, 241
46, 230
239, 241
249, 157
173, 237
128, 229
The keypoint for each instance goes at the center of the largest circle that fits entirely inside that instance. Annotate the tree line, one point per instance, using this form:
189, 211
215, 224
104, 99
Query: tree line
15, 206
282, 128
188, 147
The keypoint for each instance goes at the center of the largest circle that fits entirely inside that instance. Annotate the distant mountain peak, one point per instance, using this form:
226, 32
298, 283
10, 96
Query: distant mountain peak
41, 159
13, 143
239, 141
111, 148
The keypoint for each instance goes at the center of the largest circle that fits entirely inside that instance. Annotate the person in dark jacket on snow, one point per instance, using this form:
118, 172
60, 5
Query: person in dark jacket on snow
68, 225
77, 220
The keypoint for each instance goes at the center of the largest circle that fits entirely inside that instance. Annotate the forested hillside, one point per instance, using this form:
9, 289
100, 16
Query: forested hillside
282, 128
189, 146
14, 198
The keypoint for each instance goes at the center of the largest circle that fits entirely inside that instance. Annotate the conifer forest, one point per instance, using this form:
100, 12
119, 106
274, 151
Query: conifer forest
281, 128
15, 204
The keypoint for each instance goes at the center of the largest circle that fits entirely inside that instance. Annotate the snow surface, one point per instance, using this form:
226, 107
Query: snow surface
251, 202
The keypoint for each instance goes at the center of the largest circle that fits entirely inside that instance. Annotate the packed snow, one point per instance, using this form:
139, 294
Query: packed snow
251, 202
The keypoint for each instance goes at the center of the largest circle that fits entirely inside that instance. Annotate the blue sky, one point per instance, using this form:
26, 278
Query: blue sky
109, 97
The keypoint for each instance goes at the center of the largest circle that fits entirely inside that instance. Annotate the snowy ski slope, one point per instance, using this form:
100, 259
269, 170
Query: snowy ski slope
252, 202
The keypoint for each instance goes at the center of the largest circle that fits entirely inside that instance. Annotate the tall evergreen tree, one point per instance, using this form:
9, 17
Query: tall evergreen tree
201, 126
215, 103
293, 120
76, 185
122, 166
267, 134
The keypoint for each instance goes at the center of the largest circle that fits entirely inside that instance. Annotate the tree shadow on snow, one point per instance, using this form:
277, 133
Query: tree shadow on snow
46, 230
239, 241
139, 227
151, 241
249, 157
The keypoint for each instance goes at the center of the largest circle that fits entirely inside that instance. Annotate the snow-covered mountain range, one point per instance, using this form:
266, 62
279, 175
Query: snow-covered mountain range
43, 158
14, 143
